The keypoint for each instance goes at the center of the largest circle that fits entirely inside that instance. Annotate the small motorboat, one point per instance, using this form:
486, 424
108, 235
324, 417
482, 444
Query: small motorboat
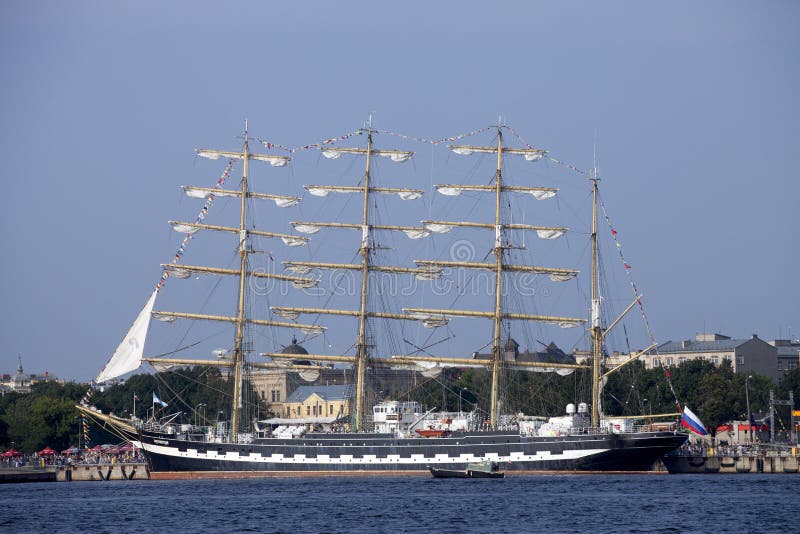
477, 470
431, 433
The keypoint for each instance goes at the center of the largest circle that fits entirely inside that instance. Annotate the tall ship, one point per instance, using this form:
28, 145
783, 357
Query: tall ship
389, 431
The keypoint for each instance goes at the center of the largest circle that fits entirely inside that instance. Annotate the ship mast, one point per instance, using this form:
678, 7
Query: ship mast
362, 357
237, 360
498, 255
498, 314
597, 332
238, 349
431, 269
362, 351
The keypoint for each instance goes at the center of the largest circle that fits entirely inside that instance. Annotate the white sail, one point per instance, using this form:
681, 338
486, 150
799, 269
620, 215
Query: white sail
204, 192
431, 274
307, 228
450, 191
191, 192
294, 241
184, 228
439, 228
543, 195
417, 233
287, 314
286, 202
275, 161
409, 195
319, 191
435, 322
309, 375
331, 154
397, 157
550, 233
128, 355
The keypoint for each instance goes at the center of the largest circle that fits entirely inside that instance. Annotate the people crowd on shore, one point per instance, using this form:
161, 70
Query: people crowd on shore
723, 448
79, 457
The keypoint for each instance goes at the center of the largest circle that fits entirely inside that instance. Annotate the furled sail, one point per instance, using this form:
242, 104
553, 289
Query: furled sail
286, 202
184, 228
128, 355
530, 154
543, 195
293, 241
203, 192
433, 273
275, 161
450, 191
550, 234
398, 156
417, 233
453, 190
319, 191
439, 228
281, 201
307, 228
287, 314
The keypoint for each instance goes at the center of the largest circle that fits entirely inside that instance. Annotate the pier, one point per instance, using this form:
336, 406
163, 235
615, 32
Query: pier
90, 472
783, 462
75, 473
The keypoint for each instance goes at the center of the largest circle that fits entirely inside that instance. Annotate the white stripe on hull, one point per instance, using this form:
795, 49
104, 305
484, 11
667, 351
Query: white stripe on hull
370, 459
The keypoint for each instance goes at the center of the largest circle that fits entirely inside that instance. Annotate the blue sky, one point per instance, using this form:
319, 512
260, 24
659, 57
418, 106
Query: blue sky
693, 106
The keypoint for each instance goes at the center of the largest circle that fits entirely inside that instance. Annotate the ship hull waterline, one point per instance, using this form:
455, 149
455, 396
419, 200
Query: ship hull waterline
365, 454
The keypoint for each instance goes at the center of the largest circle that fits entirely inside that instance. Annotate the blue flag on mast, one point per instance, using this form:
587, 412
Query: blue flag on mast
156, 400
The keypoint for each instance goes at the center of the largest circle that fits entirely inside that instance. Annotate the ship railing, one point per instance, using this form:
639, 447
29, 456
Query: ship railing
202, 434
656, 427
158, 427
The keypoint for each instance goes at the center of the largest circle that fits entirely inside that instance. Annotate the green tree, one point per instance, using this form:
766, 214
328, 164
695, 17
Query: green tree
790, 382
44, 417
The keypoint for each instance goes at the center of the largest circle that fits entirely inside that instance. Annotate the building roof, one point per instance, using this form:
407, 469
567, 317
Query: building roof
551, 354
702, 346
293, 348
786, 348
328, 393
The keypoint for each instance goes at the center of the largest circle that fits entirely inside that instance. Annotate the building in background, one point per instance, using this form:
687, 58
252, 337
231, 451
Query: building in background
318, 402
747, 356
788, 355
21, 382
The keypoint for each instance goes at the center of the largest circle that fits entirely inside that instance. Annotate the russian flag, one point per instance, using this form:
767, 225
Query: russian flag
692, 422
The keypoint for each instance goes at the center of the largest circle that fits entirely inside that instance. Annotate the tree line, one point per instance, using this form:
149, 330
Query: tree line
47, 415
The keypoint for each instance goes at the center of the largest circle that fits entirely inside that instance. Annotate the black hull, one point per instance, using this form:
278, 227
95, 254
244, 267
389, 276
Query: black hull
375, 453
